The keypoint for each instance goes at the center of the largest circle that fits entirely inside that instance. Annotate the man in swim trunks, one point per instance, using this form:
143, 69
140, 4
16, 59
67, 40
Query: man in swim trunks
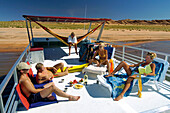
103, 57
35, 95
46, 73
133, 73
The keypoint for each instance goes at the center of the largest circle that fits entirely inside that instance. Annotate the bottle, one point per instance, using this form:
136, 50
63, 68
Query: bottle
85, 79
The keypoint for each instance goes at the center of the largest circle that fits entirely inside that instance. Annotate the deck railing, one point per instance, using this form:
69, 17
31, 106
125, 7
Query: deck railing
12, 101
126, 53
123, 53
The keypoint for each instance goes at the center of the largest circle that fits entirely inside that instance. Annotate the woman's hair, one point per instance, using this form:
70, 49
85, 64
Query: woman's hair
39, 66
152, 55
102, 44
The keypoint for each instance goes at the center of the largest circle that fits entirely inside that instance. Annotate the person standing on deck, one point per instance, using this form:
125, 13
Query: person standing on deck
35, 95
147, 63
72, 40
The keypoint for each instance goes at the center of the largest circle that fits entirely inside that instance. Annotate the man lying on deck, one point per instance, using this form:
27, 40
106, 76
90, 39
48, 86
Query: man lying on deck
147, 63
47, 73
35, 95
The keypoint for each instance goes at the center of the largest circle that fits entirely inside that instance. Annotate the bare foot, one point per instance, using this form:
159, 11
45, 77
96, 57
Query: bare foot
118, 98
74, 98
108, 75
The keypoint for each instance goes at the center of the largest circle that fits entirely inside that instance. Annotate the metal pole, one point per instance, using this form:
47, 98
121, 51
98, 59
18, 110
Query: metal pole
123, 56
89, 30
15, 76
1, 104
100, 33
142, 56
28, 31
166, 58
31, 33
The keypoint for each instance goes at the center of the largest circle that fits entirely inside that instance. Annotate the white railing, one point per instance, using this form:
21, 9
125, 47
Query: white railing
12, 101
135, 54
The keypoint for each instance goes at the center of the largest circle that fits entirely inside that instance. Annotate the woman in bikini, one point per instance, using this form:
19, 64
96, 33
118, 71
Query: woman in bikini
103, 57
133, 73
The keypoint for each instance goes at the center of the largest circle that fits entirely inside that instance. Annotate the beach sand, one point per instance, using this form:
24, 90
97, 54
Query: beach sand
16, 39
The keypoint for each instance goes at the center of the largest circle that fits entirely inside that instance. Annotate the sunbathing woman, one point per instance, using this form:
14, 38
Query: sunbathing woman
103, 57
133, 73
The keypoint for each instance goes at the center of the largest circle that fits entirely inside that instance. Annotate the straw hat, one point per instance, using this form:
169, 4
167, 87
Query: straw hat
23, 65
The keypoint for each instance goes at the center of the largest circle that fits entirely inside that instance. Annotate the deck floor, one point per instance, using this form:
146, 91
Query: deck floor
95, 98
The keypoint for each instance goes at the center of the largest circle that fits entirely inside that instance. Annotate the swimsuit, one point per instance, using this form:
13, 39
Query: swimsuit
101, 60
147, 69
35, 97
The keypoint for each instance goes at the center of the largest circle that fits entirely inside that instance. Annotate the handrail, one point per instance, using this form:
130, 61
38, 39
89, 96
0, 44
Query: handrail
122, 53
166, 54
6, 80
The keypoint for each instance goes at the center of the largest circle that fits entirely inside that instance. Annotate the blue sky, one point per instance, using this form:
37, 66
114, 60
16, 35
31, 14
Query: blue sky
113, 9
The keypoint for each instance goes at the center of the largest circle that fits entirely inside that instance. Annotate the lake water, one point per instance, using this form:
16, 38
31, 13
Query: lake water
8, 59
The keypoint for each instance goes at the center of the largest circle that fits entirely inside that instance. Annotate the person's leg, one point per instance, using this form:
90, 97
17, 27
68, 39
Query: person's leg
127, 85
108, 65
60, 65
93, 61
76, 48
60, 74
50, 87
125, 66
69, 48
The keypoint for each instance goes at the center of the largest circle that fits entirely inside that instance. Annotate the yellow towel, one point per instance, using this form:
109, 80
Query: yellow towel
139, 86
77, 68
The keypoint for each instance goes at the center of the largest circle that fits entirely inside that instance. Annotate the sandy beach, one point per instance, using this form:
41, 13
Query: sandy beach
16, 39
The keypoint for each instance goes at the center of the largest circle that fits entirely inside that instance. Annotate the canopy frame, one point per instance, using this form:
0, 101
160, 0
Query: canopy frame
61, 19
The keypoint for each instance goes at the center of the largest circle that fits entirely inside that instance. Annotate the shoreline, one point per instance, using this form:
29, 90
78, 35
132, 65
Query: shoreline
21, 47
16, 39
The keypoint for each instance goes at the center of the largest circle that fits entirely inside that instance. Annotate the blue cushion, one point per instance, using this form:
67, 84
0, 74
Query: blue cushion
158, 70
42, 103
109, 51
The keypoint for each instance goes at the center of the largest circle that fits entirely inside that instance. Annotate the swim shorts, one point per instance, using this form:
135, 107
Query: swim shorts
35, 97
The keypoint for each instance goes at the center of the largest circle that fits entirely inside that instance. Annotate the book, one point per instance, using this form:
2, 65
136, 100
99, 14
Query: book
146, 69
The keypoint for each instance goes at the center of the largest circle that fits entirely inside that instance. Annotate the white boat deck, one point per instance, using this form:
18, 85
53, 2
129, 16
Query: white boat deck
94, 98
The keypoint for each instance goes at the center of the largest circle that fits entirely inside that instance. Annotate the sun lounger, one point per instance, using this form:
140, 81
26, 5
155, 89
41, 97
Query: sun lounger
160, 71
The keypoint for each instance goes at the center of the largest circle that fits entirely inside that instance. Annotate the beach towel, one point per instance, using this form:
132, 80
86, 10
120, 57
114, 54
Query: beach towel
117, 83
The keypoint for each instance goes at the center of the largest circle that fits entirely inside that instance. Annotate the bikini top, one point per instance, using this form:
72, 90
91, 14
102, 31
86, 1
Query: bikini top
102, 55
145, 69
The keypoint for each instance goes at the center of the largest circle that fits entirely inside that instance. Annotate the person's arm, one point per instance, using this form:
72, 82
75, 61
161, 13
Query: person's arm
95, 54
53, 69
135, 65
75, 40
153, 70
106, 55
30, 87
43, 78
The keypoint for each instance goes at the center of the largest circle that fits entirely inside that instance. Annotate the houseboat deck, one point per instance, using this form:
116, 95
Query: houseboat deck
94, 97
